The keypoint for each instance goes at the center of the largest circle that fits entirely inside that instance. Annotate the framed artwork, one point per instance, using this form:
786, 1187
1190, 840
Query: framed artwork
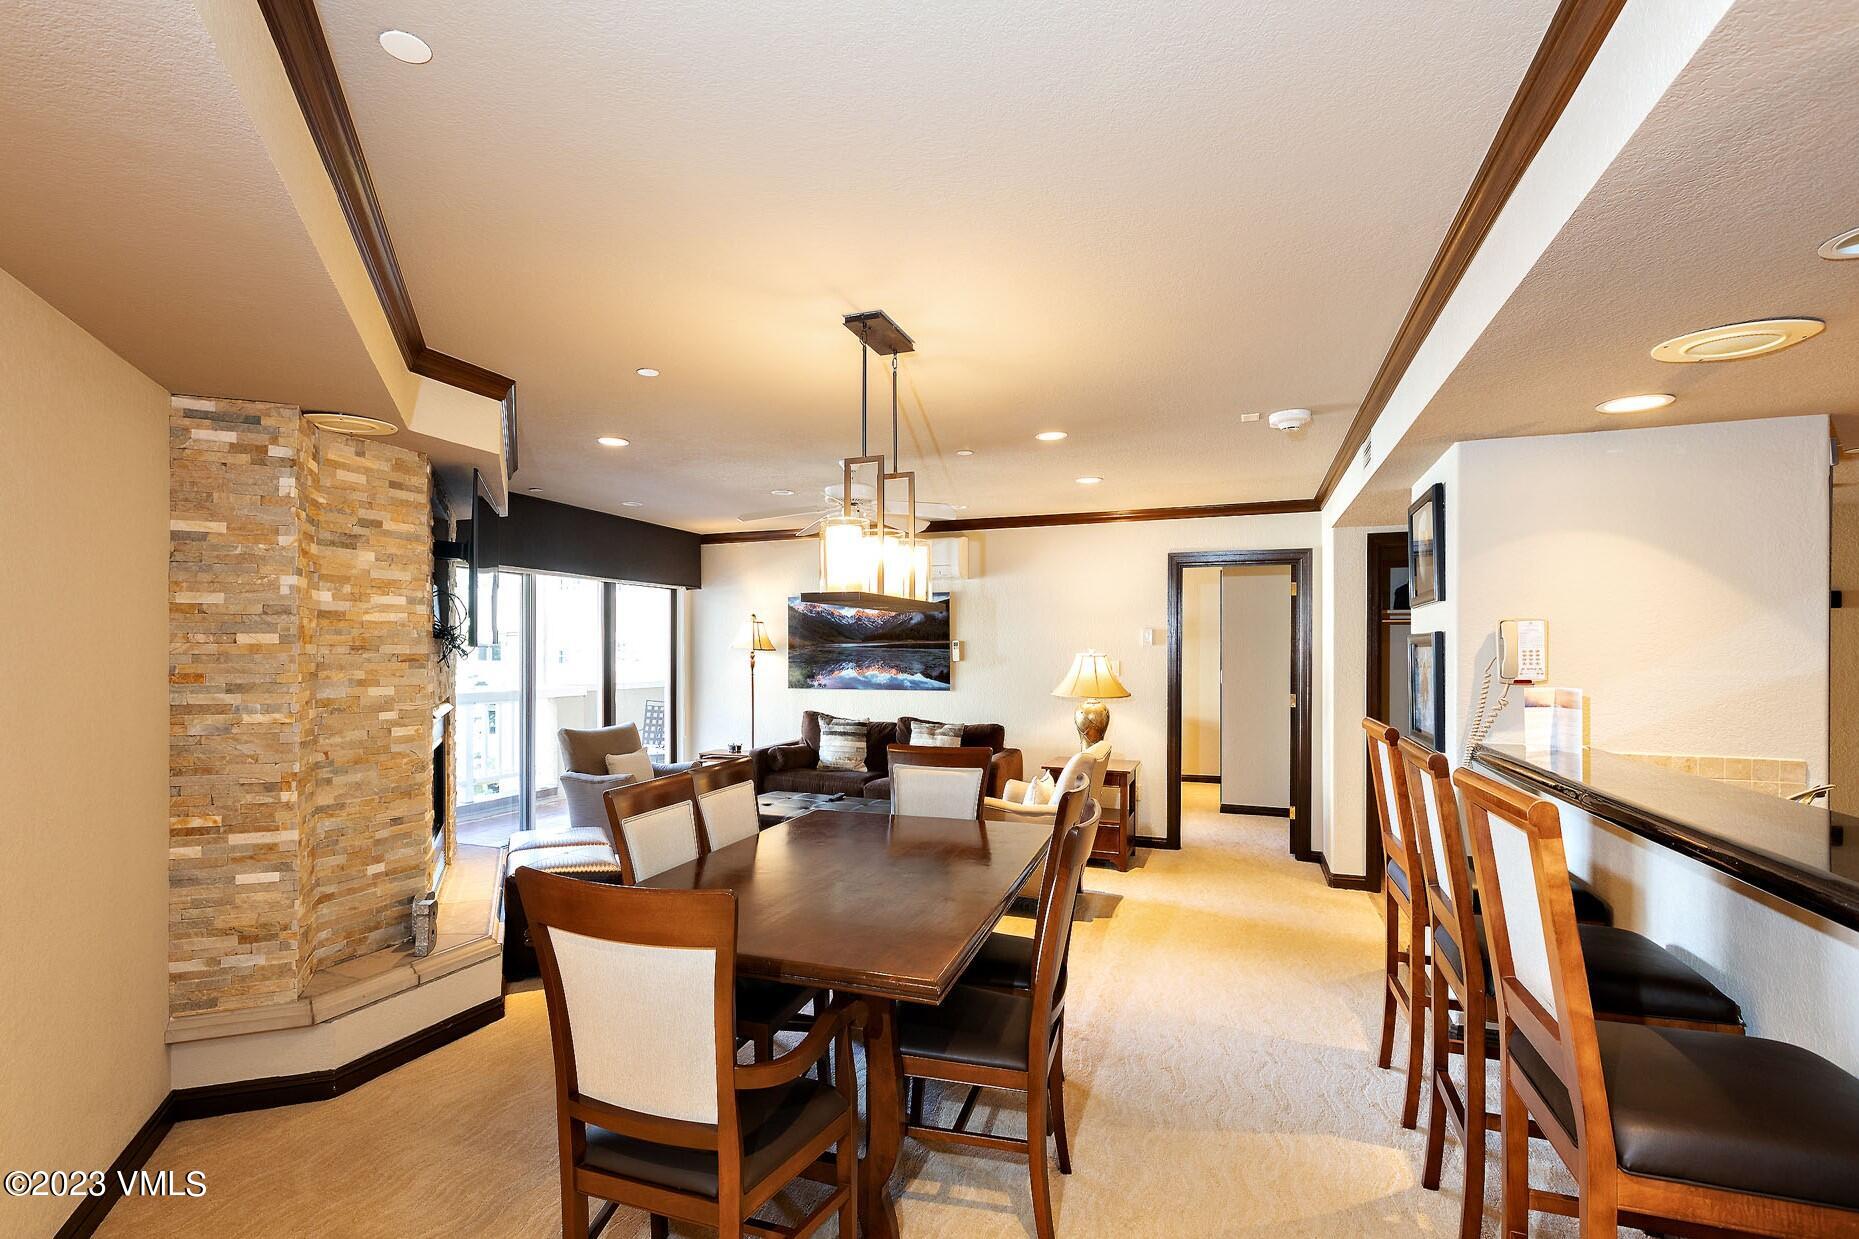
1426, 547
858, 647
1426, 688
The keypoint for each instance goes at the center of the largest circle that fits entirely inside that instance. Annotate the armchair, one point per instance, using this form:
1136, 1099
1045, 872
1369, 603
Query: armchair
585, 781
1011, 801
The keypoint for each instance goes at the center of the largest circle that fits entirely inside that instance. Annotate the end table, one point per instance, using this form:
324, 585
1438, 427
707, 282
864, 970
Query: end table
1116, 825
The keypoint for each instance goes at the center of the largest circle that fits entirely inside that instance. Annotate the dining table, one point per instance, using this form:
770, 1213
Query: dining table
890, 908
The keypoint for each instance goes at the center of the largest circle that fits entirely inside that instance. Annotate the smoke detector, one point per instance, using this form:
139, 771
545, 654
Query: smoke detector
1289, 419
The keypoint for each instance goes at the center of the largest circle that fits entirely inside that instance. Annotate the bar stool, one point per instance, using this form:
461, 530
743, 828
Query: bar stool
1400, 910
1631, 978
1661, 1127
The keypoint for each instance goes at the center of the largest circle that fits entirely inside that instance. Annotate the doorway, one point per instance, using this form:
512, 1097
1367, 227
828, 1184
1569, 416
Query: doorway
1246, 726
1388, 626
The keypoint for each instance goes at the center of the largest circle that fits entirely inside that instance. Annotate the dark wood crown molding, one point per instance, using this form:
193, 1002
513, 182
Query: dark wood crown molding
297, 31
1266, 507
1575, 34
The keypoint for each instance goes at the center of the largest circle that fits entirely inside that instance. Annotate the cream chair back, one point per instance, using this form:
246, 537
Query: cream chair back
936, 791
730, 814
661, 839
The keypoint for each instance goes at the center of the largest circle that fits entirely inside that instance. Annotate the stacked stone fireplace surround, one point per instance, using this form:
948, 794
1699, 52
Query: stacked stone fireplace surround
303, 676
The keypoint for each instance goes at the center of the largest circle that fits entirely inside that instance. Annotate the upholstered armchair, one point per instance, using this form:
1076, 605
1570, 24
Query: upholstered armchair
1012, 802
585, 779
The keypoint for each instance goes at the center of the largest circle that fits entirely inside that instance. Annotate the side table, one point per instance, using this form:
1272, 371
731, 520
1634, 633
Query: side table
1117, 824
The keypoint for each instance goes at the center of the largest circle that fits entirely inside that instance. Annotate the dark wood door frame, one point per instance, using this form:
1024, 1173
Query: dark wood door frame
1299, 561
1385, 551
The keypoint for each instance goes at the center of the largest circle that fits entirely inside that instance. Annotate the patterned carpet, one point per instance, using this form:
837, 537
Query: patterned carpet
1224, 1010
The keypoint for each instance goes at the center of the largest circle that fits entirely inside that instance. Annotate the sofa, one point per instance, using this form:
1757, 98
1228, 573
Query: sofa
795, 765
585, 781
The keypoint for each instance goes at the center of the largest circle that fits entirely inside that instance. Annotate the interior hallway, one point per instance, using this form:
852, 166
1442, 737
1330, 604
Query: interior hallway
1251, 1108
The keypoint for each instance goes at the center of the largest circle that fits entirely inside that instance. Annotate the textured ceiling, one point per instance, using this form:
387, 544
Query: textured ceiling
1712, 214
1131, 222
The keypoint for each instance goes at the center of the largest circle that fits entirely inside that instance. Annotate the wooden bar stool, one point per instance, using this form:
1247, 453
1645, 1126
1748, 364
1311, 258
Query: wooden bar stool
1662, 1128
1631, 977
1401, 909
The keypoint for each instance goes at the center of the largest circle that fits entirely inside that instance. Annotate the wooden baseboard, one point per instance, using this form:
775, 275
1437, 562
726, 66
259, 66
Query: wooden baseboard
209, 1100
90, 1212
1342, 881
1257, 810
1200, 778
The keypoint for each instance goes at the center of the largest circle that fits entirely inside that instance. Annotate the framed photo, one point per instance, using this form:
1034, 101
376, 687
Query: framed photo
832, 646
1426, 688
1426, 547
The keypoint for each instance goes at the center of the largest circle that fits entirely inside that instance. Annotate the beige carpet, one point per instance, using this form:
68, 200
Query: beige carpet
1220, 1044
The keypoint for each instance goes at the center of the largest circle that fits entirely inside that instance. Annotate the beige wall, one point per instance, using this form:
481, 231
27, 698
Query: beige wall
1255, 686
1843, 645
1200, 671
84, 713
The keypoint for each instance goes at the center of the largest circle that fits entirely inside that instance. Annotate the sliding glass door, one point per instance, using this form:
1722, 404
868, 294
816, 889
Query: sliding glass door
569, 678
643, 616
489, 727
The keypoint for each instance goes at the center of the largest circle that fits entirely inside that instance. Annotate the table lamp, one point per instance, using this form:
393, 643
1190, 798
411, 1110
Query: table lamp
1091, 679
753, 638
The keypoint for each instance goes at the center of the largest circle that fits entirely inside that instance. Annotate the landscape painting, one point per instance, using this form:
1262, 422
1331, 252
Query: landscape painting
861, 647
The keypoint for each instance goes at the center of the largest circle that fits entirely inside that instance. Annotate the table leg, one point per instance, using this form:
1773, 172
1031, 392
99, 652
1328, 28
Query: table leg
884, 1119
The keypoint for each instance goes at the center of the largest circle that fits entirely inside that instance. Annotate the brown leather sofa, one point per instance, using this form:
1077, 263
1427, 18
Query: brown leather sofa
795, 765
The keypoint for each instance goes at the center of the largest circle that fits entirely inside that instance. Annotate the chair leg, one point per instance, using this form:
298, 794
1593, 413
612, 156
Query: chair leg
1036, 1120
1439, 1079
915, 1087
574, 1214
1390, 969
1055, 1086
1416, 1029
1472, 1209
661, 1228
1516, 1125
764, 1045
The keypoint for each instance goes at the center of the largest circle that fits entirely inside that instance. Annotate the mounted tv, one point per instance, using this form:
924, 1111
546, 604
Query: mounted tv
864, 647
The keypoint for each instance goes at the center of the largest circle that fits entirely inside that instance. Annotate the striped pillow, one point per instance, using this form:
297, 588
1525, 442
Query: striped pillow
842, 743
936, 735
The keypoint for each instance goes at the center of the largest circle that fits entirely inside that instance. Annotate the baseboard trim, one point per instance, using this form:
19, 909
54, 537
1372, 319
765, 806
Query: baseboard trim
1161, 842
237, 1096
1342, 881
1257, 810
1200, 778
90, 1212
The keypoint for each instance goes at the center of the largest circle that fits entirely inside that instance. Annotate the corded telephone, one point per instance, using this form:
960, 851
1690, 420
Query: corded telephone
1523, 651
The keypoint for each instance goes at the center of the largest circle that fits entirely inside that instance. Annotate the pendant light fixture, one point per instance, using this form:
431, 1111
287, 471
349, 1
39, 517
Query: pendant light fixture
870, 555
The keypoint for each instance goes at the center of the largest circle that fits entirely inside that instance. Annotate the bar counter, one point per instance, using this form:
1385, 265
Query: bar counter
1804, 855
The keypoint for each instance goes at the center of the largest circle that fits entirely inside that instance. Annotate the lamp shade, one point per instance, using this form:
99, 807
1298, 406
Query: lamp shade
1091, 678
754, 636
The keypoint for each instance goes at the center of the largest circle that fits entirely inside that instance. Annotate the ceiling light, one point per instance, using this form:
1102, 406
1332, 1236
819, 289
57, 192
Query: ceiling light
535, 490
351, 424
646, 372
1846, 245
783, 492
964, 451
1050, 436
1735, 341
1088, 481
612, 441
959, 507
1635, 404
406, 47
631, 503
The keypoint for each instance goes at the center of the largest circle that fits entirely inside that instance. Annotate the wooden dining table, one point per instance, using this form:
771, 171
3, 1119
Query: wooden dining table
889, 908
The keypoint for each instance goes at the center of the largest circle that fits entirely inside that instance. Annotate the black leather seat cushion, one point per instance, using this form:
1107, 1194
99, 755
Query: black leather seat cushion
1398, 876
776, 1123
1005, 961
973, 1025
846, 782
1628, 974
1590, 908
1743, 1113
768, 1002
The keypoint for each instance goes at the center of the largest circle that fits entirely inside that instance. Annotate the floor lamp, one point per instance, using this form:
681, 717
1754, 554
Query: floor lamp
753, 638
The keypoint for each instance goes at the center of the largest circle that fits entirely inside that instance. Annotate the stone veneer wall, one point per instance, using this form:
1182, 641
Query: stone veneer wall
303, 676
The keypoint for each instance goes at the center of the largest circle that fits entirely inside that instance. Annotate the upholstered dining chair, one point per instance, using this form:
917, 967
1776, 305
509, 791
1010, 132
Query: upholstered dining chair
1403, 910
931, 781
1662, 1128
726, 802
987, 1038
657, 826
1005, 961
652, 1110
1630, 977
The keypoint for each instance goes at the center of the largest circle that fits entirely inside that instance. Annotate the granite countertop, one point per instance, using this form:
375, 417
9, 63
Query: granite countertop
1803, 854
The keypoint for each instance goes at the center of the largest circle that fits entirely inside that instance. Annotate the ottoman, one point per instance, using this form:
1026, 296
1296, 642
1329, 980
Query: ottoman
593, 862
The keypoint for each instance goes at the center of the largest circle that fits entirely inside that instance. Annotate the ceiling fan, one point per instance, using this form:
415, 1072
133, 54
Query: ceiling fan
829, 504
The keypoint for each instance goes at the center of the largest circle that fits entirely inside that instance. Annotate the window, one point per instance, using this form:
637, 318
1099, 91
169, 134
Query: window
569, 679
642, 653
490, 711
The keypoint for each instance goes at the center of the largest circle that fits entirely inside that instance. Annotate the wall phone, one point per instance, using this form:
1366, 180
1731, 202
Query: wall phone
1523, 651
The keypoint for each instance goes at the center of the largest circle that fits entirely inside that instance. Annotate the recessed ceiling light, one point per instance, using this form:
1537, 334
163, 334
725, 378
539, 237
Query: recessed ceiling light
1050, 436
964, 451
1844, 246
959, 507
646, 372
1635, 404
1088, 481
351, 424
631, 503
1735, 341
783, 492
407, 47
535, 490
612, 441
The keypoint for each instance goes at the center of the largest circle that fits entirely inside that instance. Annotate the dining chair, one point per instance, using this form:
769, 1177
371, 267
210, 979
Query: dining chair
931, 781
726, 802
1401, 910
1005, 961
1662, 1128
652, 1110
657, 826
989, 1038
1631, 978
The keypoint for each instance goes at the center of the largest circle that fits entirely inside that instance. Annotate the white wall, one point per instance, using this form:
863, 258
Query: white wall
1683, 571
1200, 671
1040, 596
1255, 685
1342, 685
84, 713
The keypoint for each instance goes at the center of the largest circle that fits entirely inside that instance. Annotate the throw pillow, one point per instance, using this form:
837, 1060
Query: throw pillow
635, 763
936, 735
842, 743
1040, 791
